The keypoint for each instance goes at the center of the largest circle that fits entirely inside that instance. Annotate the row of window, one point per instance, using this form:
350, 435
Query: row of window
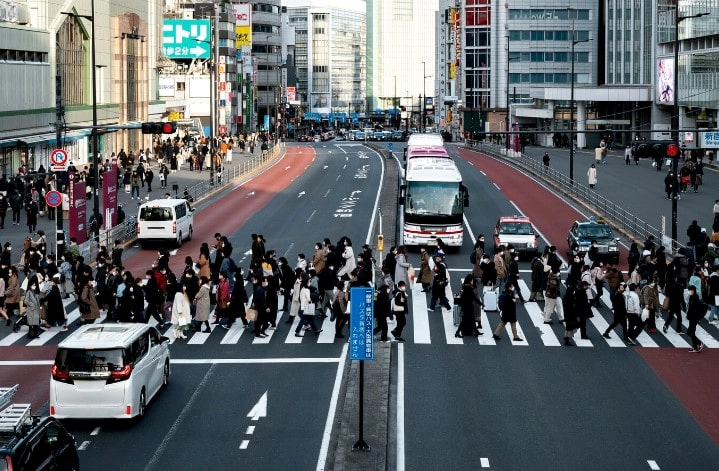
480, 79
550, 35
10, 55
547, 14
266, 8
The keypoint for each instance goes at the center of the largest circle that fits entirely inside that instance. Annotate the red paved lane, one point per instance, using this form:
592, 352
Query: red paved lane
691, 377
228, 213
226, 216
551, 215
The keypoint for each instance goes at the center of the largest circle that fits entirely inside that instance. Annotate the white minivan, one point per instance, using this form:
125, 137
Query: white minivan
164, 220
108, 371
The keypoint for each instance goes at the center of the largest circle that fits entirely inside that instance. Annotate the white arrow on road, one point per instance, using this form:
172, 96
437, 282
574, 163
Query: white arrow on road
288, 167
301, 193
259, 410
325, 167
252, 193
353, 193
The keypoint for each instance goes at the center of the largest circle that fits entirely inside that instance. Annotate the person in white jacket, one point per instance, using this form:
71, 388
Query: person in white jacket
307, 311
349, 256
181, 315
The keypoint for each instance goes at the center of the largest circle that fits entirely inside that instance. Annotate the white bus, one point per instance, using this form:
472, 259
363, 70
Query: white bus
432, 198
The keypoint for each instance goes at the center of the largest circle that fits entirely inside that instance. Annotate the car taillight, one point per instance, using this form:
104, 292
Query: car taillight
120, 375
61, 375
174, 227
137, 228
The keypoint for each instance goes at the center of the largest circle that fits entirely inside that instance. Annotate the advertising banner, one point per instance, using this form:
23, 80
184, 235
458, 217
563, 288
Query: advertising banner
109, 198
78, 209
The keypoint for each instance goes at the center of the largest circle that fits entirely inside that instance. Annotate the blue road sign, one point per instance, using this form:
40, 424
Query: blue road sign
361, 324
53, 198
187, 39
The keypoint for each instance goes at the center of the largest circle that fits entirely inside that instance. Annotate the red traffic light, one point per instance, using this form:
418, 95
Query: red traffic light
672, 150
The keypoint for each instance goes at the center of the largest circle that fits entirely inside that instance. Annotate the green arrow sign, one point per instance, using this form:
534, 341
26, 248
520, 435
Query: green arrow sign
186, 39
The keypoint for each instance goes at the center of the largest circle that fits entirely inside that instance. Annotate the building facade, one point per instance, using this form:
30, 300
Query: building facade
329, 59
47, 53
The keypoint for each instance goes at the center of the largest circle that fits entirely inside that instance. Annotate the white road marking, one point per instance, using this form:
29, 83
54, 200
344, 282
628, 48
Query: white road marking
653, 465
450, 328
400, 408
484, 462
420, 317
601, 325
327, 434
83, 446
486, 339
244, 444
234, 333
534, 312
310, 218
497, 186
269, 332
328, 331
250, 430
644, 339
95, 431
291, 334
259, 410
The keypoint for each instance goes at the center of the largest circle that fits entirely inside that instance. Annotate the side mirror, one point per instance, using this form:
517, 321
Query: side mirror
164, 339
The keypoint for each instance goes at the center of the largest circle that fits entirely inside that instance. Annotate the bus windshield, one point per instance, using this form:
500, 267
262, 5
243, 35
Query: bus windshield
433, 199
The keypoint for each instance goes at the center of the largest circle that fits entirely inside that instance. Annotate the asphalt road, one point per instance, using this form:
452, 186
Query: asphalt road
460, 403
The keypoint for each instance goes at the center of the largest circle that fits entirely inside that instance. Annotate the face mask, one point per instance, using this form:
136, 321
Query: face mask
148, 277
33, 287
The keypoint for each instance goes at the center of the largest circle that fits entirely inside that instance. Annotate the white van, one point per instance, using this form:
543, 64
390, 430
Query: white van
164, 220
108, 371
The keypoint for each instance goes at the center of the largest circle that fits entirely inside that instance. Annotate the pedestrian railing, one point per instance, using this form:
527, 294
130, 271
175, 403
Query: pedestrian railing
629, 223
126, 232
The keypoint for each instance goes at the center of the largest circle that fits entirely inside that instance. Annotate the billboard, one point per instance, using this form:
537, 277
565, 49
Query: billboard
166, 86
186, 39
665, 81
243, 25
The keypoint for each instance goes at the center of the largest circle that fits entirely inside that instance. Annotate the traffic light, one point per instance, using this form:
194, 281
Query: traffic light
643, 149
665, 149
166, 127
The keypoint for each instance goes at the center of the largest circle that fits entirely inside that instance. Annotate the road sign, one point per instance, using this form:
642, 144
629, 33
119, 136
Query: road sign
362, 324
58, 157
53, 198
186, 39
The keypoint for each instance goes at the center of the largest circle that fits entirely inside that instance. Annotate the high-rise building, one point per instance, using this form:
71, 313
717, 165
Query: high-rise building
401, 53
329, 58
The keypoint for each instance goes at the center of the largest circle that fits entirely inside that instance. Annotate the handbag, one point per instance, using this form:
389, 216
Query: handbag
645, 314
410, 275
84, 307
665, 303
251, 314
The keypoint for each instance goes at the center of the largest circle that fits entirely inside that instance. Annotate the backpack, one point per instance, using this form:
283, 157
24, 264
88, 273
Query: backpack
314, 294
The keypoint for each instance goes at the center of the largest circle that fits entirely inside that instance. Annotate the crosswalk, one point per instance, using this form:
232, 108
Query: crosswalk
424, 327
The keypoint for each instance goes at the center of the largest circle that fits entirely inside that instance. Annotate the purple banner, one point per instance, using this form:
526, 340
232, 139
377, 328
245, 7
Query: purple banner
109, 198
78, 209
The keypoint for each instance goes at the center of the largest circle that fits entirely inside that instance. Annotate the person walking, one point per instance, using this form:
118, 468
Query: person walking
400, 307
52, 299
508, 306
675, 293
552, 298
571, 319
402, 266
669, 182
545, 162
202, 306
135, 181
467, 299
306, 310
713, 288
238, 299
439, 284
149, 176
634, 314
696, 309
16, 207
592, 176
425, 272
628, 155
87, 296
583, 308
649, 298
339, 308
619, 307
382, 311
181, 314
32, 308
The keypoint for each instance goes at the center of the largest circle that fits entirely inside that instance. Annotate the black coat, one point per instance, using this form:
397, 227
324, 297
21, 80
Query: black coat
571, 316
509, 306
55, 308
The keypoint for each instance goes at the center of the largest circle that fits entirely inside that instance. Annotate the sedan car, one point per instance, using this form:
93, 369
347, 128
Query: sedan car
518, 232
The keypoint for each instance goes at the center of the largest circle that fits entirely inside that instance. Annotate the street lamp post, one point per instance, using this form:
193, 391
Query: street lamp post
675, 118
571, 110
93, 132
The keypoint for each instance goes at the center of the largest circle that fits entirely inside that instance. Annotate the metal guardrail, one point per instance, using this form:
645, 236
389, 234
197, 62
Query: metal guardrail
125, 232
632, 225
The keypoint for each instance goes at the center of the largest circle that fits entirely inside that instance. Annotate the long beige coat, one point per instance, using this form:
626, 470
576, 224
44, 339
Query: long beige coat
202, 304
88, 296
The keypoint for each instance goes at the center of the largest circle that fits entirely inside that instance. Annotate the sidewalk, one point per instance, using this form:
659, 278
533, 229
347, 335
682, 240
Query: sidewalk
16, 235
